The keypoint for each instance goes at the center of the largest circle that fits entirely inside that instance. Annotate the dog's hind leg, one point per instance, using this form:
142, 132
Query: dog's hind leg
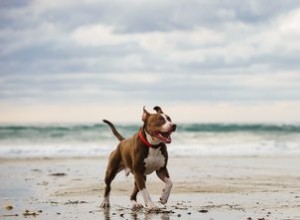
114, 166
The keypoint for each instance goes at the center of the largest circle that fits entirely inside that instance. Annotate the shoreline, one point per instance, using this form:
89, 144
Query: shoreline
104, 157
214, 187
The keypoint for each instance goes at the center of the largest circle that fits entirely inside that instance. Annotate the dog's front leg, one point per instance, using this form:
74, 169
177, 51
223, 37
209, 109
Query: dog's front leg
140, 182
135, 204
163, 174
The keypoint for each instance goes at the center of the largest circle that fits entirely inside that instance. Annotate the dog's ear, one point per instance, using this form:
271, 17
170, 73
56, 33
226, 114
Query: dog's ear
158, 109
145, 114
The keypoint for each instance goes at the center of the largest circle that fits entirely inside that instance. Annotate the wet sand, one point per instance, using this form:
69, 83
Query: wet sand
208, 188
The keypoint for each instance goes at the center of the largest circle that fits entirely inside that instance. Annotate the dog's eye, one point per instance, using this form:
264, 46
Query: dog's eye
161, 120
169, 119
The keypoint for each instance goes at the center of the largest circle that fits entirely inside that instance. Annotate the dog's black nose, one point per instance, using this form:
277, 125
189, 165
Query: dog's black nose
174, 127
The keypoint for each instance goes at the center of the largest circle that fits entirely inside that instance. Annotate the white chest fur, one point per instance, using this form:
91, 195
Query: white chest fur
154, 161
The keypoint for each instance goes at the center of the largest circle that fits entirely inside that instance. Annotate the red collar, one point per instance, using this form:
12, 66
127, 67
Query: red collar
144, 140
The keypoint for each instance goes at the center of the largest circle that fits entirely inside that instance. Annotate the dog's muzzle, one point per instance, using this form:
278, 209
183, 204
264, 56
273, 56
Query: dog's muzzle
174, 126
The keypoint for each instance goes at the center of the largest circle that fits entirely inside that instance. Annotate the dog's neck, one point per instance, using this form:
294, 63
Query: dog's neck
148, 139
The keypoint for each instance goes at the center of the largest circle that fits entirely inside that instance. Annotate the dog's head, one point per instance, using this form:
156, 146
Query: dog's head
158, 125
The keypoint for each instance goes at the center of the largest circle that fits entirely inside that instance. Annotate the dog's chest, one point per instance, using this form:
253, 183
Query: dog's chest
154, 161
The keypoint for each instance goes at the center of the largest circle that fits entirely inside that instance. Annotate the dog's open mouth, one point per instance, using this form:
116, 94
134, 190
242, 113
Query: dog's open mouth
164, 136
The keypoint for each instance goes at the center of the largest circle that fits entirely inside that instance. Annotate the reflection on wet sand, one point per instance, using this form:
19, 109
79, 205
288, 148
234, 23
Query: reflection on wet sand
116, 213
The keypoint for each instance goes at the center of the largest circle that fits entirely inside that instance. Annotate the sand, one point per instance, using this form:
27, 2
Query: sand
207, 188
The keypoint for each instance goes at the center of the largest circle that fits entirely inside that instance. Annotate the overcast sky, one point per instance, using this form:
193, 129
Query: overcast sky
201, 61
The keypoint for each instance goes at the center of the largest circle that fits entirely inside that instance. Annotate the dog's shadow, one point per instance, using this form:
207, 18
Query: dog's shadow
127, 213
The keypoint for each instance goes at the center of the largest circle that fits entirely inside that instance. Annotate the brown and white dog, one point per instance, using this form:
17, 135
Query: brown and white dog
142, 154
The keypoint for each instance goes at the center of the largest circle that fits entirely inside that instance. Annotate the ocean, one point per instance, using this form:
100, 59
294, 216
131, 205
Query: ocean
93, 140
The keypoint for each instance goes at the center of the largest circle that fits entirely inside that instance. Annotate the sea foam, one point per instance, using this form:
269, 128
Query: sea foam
89, 140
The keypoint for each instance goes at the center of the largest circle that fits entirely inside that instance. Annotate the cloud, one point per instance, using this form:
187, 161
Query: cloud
97, 35
159, 51
167, 88
173, 42
236, 44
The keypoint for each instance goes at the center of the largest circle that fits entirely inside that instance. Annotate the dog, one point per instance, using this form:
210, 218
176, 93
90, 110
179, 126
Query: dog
142, 154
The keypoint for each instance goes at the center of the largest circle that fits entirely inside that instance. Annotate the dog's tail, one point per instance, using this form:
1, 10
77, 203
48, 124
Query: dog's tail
114, 130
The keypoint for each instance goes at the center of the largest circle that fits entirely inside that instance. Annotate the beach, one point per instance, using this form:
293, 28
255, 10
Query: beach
210, 187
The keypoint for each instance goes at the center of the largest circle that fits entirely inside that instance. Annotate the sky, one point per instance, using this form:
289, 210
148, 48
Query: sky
201, 61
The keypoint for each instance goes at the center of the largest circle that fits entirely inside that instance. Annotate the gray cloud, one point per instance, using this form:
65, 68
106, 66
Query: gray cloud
160, 50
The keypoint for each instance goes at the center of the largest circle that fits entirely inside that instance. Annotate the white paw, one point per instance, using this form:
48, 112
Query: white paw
105, 203
136, 205
152, 207
164, 198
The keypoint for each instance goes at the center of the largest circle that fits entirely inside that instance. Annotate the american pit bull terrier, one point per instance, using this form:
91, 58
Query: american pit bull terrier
142, 154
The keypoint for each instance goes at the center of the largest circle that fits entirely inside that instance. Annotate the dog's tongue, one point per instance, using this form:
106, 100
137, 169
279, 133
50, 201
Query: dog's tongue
165, 137
169, 140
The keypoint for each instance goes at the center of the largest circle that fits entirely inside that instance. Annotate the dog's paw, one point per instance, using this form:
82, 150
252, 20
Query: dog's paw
105, 203
152, 207
163, 200
136, 205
